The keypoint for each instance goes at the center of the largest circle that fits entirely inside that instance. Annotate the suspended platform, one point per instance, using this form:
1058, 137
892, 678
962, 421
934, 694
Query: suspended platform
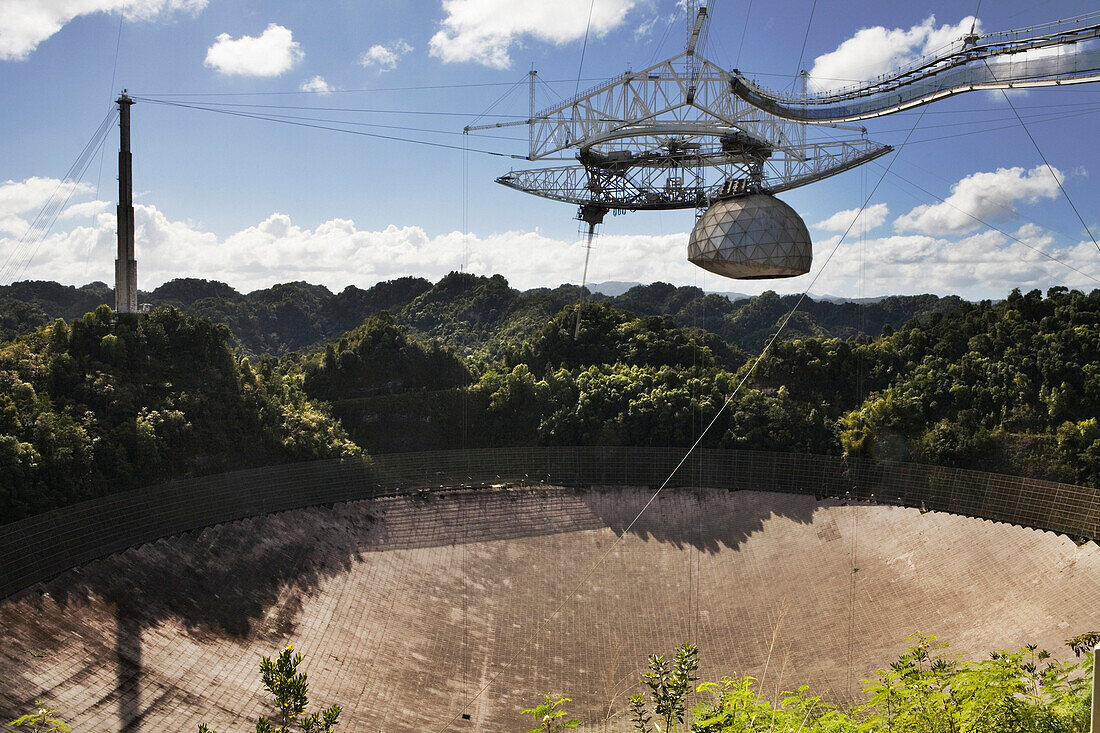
687, 134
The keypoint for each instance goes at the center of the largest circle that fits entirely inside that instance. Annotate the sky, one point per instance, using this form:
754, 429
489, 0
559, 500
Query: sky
967, 206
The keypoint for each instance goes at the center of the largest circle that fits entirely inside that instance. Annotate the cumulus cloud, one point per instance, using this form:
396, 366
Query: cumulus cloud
317, 85
23, 197
337, 253
872, 217
990, 197
879, 50
271, 53
26, 23
20, 201
986, 264
86, 209
384, 58
484, 31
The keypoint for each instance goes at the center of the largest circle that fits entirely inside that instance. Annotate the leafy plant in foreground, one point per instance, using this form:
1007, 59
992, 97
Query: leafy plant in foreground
669, 686
291, 692
42, 720
1083, 644
548, 715
1011, 692
737, 708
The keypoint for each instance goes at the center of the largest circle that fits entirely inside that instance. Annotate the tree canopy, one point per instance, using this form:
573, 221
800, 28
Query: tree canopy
108, 402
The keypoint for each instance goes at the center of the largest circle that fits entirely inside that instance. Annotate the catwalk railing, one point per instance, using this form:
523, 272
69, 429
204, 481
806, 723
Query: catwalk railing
36, 549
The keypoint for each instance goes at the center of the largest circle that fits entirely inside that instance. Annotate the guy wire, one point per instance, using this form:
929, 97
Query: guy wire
729, 400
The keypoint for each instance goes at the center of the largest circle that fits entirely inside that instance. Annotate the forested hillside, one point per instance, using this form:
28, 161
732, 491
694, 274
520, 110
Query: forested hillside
467, 362
104, 404
1010, 387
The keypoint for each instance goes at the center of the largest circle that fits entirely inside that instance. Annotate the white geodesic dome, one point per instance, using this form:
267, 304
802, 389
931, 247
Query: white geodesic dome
751, 237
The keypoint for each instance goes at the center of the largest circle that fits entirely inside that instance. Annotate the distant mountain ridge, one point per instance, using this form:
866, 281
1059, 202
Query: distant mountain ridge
475, 315
613, 288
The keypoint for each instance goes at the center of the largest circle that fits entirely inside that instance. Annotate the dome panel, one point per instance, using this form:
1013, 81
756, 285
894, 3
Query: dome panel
751, 237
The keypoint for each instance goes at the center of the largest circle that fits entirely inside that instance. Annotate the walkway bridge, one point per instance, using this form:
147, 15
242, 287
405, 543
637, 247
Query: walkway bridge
1054, 54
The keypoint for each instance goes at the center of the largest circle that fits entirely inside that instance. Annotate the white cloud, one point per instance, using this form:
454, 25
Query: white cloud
484, 31
86, 209
385, 57
26, 23
271, 53
20, 201
317, 84
983, 265
872, 217
24, 197
878, 50
989, 197
337, 253
645, 28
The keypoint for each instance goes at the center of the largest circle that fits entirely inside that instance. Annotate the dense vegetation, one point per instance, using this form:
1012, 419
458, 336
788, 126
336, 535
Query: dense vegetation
1008, 387
924, 691
106, 403
1012, 386
380, 357
469, 362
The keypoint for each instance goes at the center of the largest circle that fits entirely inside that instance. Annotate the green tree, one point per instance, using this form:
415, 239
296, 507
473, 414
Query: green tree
669, 686
1083, 644
1027, 691
109, 404
737, 708
548, 715
289, 688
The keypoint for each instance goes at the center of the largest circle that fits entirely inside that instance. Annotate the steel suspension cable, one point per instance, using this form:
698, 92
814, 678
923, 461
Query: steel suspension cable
360, 133
1035, 143
985, 223
721, 410
364, 110
744, 30
23, 253
1044, 118
110, 93
978, 219
1003, 207
805, 38
421, 87
584, 47
277, 117
1050, 168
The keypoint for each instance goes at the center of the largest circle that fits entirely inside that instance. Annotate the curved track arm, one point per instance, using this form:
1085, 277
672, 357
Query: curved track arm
1059, 56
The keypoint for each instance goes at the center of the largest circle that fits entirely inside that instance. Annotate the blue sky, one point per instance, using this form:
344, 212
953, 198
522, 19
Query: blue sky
252, 203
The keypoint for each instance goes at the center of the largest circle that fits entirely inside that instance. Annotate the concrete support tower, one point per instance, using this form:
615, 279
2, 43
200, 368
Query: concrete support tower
125, 264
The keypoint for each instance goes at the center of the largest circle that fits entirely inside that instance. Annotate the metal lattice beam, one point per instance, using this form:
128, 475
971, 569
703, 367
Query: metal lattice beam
663, 101
689, 181
684, 132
